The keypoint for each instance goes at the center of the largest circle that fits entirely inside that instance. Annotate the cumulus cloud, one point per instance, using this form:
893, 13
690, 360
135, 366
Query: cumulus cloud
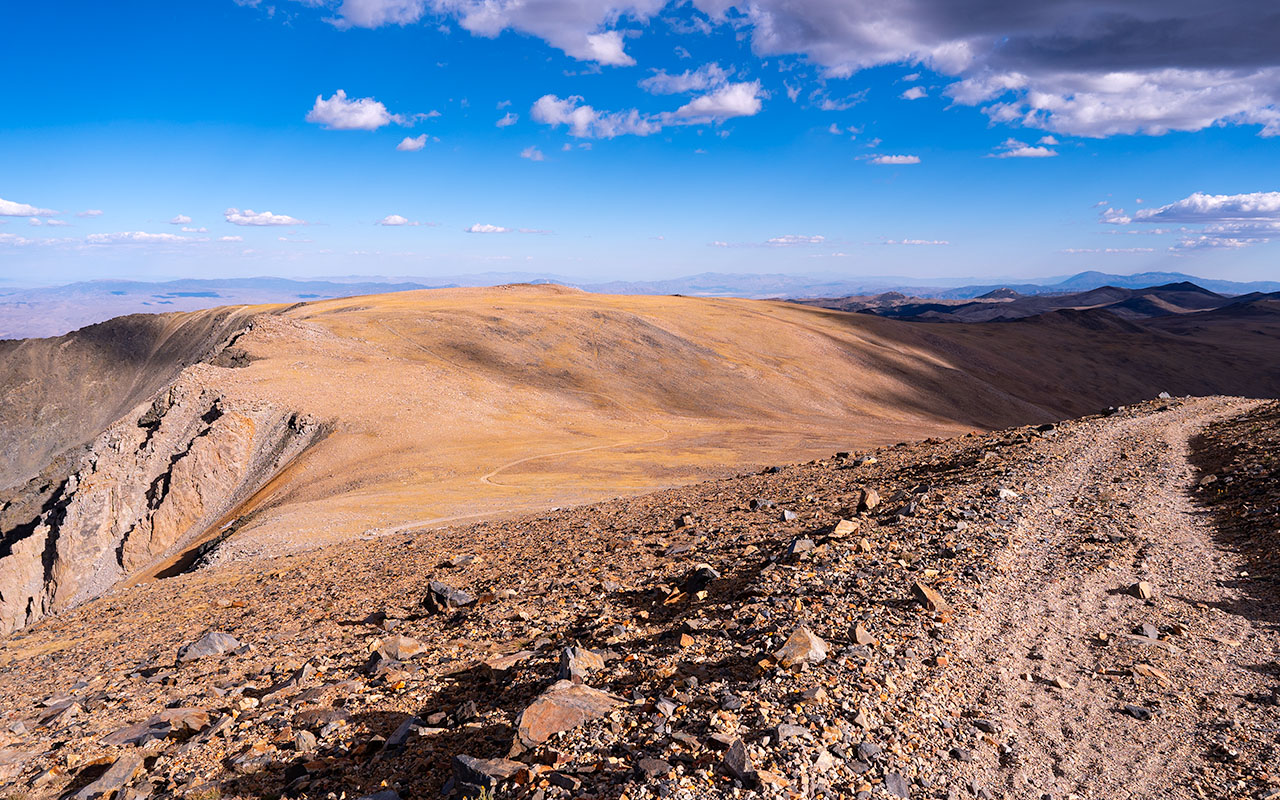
376, 13
730, 100
585, 122
1201, 207
508, 120
579, 28
395, 221
1128, 66
181, 219
1213, 221
92, 212
485, 228
231, 238
250, 217
698, 80
340, 114
895, 160
914, 93
9, 208
186, 229
532, 153
1012, 148
410, 144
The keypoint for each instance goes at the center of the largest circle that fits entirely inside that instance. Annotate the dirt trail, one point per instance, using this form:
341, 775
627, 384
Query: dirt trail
1111, 503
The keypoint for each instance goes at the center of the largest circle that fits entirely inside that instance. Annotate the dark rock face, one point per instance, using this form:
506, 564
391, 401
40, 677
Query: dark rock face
144, 491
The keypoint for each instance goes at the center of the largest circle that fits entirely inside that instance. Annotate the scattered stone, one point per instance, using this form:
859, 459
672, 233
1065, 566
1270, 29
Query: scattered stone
798, 546
802, 647
502, 666
961, 754
788, 515
652, 767
896, 785
442, 598
862, 636
111, 782
1138, 712
472, 776
214, 643
867, 500
843, 528
737, 763
578, 662
564, 706
930, 598
170, 722
400, 648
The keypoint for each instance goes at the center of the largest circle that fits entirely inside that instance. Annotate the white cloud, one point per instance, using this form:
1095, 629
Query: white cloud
92, 212
395, 221
410, 144
181, 219
1127, 66
35, 222
56, 222
577, 27
699, 80
508, 119
917, 241
586, 122
1108, 250
186, 229
340, 114
250, 217
730, 100
1201, 207
1226, 221
1114, 216
914, 93
792, 239
1048, 141
786, 240
896, 160
485, 228
1012, 148
532, 153
9, 208
138, 237
231, 238
376, 13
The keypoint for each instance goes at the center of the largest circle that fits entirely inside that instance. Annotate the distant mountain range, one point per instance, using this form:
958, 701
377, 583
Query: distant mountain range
1005, 304
55, 310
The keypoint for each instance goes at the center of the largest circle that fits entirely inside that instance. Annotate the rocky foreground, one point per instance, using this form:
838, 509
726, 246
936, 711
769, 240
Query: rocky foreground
1040, 612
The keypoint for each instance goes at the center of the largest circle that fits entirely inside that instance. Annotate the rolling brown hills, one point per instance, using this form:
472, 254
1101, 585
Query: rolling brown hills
152, 444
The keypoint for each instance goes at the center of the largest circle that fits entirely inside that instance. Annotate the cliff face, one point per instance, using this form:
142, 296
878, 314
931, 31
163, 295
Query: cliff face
62, 392
148, 488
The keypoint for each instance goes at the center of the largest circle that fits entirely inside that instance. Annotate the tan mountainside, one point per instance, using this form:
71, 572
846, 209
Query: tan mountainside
273, 429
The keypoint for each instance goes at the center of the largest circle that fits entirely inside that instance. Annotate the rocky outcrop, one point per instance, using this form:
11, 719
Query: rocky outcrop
153, 485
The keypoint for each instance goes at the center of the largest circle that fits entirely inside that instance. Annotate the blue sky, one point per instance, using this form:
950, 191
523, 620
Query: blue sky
645, 140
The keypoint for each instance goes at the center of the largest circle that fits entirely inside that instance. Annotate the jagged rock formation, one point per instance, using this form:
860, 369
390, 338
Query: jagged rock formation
62, 392
147, 488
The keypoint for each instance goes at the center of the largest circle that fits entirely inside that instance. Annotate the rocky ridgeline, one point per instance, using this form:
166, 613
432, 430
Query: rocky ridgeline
786, 634
140, 493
